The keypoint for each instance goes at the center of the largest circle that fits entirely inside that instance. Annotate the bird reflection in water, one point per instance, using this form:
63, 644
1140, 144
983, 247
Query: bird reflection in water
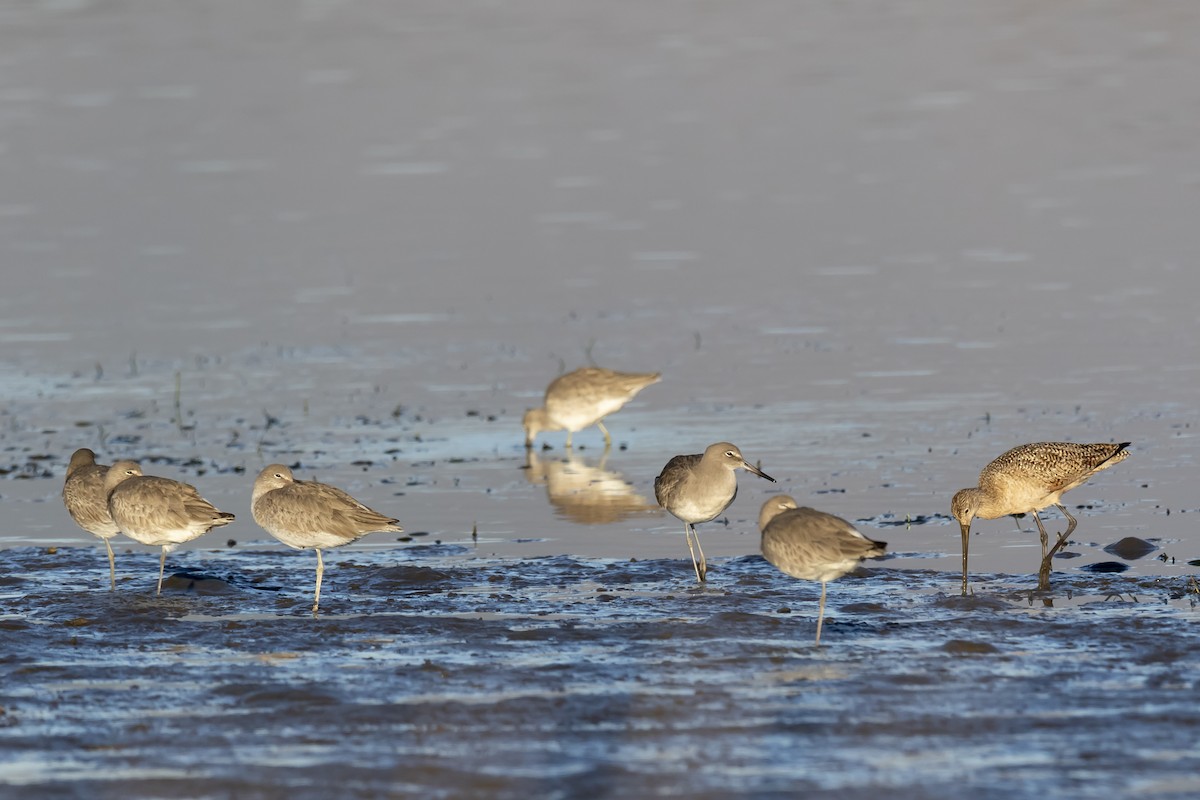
584, 493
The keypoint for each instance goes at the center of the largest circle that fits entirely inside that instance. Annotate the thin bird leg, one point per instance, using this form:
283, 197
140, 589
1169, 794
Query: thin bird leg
568, 440
1041, 534
1062, 539
320, 573
966, 540
701, 568
112, 566
604, 430
821, 613
162, 562
1044, 569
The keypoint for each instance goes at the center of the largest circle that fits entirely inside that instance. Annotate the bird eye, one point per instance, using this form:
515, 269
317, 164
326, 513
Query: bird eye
729, 453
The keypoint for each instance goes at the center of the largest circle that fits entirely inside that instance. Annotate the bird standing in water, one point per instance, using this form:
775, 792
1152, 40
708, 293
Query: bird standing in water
583, 398
698, 488
83, 495
158, 511
308, 515
812, 545
1027, 479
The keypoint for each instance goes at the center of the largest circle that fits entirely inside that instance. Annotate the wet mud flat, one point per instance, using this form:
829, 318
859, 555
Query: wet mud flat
435, 673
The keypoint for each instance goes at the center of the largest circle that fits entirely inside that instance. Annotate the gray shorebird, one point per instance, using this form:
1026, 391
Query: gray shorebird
584, 398
1027, 479
158, 511
308, 515
698, 488
812, 545
83, 495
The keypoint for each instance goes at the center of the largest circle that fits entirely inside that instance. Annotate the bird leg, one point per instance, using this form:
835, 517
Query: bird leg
1044, 571
820, 613
1041, 534
966, 540
568, 440
162, 562
1062, 539
112, 566
700, 566
604, 430
320, 573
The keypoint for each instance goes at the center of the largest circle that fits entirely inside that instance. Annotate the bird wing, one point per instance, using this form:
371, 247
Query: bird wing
83, 494
1053, 466
164, 503
313, 506
673, 474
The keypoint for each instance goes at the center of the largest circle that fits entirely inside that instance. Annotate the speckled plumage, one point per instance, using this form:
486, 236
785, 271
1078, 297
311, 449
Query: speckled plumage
698, 488
583, 398
812, 545
83, 495
1027, 479
158, 511
308, 515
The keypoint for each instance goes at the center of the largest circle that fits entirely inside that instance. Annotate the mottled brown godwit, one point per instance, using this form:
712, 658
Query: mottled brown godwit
1027, 479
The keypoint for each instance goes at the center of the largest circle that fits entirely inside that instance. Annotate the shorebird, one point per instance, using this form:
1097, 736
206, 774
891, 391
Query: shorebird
812, 545
697, 488
158, 511
309, 515
83, 495
1027, 479
583, 398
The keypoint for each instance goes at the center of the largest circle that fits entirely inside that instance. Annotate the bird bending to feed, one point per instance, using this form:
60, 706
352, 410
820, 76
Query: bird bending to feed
1027, 479
812, 545
698, 488
583, 398
83, 495
158, 511
310, 515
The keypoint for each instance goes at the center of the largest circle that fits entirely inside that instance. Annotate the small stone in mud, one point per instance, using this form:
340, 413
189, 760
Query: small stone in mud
962, 647
50, 551
1130, 548
231, 543
1105, 566
783, 610
77, 622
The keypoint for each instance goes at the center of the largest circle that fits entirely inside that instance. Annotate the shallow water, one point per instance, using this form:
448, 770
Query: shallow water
435, 671
874, 244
